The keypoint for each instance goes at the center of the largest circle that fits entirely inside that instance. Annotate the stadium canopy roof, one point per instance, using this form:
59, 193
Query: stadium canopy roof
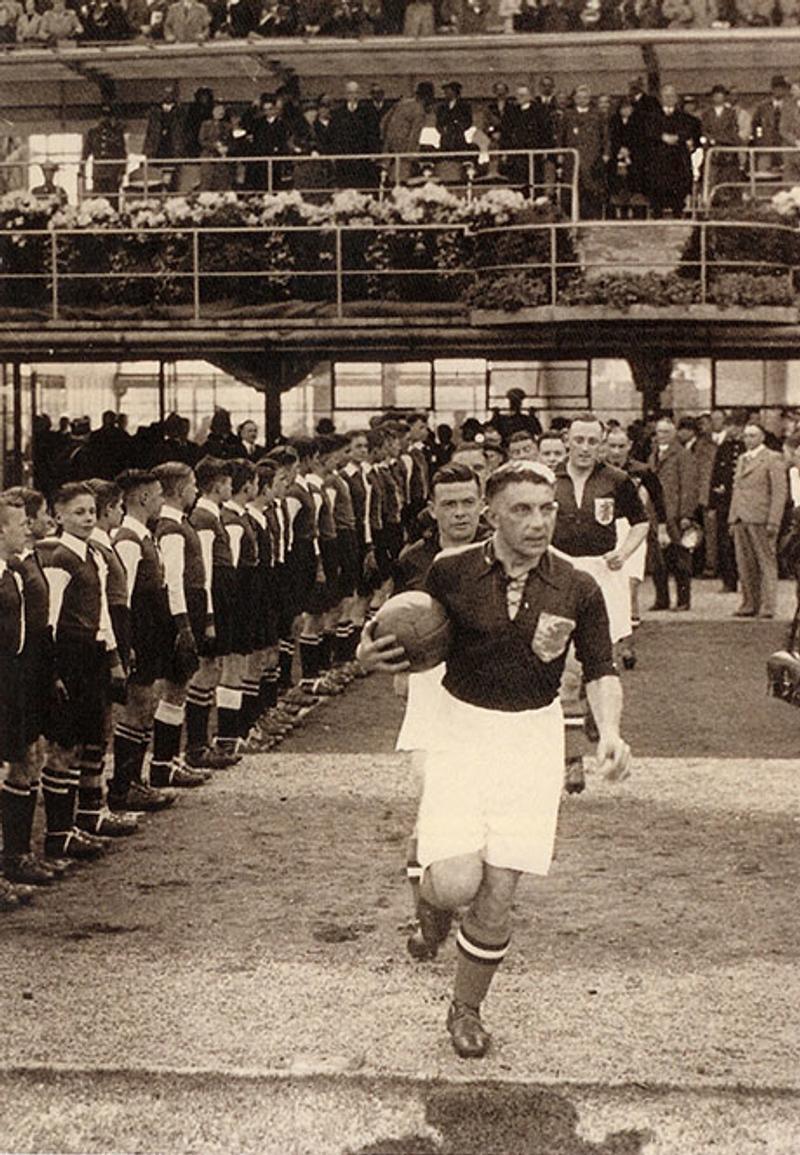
743, 58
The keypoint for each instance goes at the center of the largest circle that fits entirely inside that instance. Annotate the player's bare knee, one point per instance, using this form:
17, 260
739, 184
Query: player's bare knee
454, 882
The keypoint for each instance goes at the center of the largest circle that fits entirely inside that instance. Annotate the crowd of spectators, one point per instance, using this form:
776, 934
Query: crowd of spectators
639, 153
185, 21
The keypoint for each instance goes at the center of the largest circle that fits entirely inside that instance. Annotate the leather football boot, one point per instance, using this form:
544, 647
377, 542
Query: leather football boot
434, 925
469, 1036
140, 797
27, 869
74, 844
205, 758
104, 824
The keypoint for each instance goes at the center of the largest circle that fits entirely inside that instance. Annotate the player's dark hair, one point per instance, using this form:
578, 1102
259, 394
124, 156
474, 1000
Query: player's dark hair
689, 423
514, 473
352, 434
132, 479
208, 471
31, 500
282, 456
454, 475
105, 493
6, 504
520, 435
305, 447
241, 473
549, 435
588, 418
172, 475
265, 473
468, 447
68, 492
327, 443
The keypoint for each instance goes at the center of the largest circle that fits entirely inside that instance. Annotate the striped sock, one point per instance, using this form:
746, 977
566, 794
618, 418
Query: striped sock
199, 702
413, 870
268, 688
342, 644
57, 801
229, 705
16, 819
309, 656
285, 662
481, 949
167, 726
326, 644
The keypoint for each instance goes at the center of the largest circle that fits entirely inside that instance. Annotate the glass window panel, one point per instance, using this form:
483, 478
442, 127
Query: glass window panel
689, 390
539, 379
359, 384
740, 383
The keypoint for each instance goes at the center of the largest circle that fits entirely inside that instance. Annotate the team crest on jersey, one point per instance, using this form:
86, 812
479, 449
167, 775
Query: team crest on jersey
604, 510
552, 636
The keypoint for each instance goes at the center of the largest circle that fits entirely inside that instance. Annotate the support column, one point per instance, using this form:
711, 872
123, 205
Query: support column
272, 413
14, 472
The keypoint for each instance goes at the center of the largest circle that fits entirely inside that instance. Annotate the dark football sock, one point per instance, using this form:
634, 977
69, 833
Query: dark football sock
326, 643
342, 643
16, 818
413, 870
285, 663
167, 726
269, 688
250, 705
481, 949
309, 656
229, 705
57, 800
198, 713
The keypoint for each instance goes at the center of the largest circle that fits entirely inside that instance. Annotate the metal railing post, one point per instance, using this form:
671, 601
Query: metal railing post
54, 265
751, 158
196, 274
531, 175
269, 175
553, 269
146, 177
703, 263
339, 272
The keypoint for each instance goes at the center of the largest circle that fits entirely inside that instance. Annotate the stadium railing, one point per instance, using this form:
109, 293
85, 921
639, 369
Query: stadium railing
540, 172
333, 271
761, 172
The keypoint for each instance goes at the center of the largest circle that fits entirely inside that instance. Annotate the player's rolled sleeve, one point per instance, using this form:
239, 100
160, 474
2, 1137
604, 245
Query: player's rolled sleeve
592, 636
629, 505
173, 549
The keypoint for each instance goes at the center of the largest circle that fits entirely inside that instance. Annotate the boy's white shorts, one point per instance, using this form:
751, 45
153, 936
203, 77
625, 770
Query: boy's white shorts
422, 709
493, 782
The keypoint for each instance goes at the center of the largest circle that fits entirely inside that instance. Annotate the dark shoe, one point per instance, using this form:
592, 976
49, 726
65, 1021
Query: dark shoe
257, 743
629, 661
185, 779
75, 844
434, 925
207, 759
104, 824
417, 947
766, 617
682, 607
744, 613
591, 733
60, 867
658, 606
9, 899
470, 1038
141, 797
27, 869
574, 776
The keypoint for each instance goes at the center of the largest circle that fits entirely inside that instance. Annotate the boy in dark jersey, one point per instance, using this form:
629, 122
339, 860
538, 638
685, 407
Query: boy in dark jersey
214, 485
152, 641
237, 711
15, 794
184, 576
339, 624
364, 498
85, 657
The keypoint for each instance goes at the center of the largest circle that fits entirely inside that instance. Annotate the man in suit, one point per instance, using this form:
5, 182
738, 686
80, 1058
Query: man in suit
675, 468
186, 20
269, 137
531, 128
721, 130
352, 134
757, 507
677, 136
699, 443
582, 128
766, 127
729, 450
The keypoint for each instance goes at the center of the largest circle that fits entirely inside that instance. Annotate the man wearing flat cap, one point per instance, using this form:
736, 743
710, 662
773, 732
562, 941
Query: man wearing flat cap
721, 129
767, 126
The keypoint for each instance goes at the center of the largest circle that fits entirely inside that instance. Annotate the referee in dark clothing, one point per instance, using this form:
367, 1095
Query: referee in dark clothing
494, 770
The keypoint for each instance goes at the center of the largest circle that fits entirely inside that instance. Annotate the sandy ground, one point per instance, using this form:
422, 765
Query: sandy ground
234, 978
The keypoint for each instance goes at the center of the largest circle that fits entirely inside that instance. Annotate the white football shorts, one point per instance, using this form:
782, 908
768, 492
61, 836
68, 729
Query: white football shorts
422, 709
493, 782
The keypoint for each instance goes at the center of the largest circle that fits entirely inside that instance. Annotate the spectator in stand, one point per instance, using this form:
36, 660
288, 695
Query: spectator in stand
48, 188
375, 110
624, 199
453, 119
187, 21
215, 138
720, 128
147, 17
268, 137
60, 23
675, 469
758, 502
677, 135
403, 125
766, 126
235, 18
163, 138
790, 135
515, 420
581, 128
276, 18
105, 20
313, 174
175, 444
29, 25
729, 449
247, 437
644, 133
221, 440
352, 134
10, 13
104, 144
755, 13
419, 19
530, 128
677, 13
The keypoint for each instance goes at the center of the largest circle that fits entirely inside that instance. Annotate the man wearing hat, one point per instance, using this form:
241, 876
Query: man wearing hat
721, 129
515, 421
453, 118
767, 126
104, 145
